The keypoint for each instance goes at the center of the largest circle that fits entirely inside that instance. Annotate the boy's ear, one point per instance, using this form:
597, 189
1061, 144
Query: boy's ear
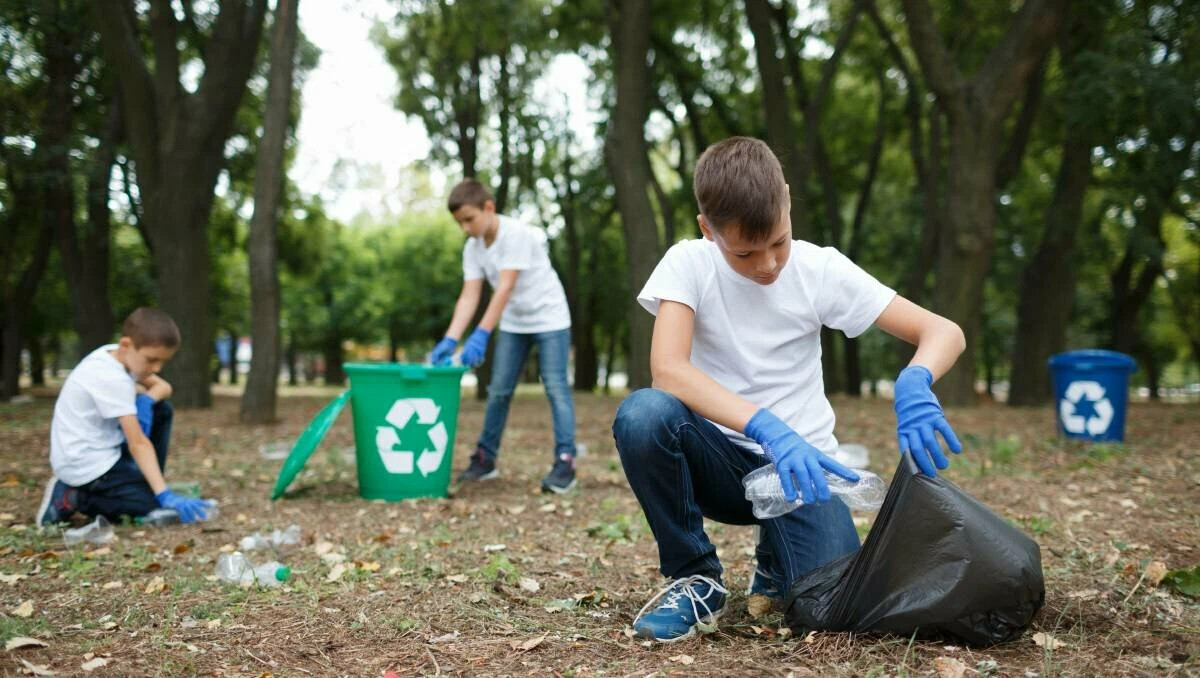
489, 206
125, 343
705, 229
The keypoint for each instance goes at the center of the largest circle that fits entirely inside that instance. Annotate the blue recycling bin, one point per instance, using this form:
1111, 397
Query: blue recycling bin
1091, 388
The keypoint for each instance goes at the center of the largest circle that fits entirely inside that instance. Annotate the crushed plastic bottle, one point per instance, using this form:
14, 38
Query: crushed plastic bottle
277, 538
99, 531
165, 516
236, 568
764, 490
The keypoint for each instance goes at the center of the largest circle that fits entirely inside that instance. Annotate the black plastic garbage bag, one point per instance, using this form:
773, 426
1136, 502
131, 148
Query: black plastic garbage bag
936, 562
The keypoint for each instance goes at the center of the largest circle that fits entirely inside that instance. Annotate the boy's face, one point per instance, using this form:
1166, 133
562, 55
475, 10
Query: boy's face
759, 261
142, 361
476, 221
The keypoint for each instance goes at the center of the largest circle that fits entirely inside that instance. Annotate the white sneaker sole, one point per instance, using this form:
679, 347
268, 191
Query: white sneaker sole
45, 505
560, 490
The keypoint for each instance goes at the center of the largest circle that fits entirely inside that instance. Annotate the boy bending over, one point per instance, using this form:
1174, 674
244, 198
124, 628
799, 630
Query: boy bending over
736, 360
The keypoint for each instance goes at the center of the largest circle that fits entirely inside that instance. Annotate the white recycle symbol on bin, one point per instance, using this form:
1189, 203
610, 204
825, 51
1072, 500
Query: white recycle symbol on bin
400, 416
1102, 410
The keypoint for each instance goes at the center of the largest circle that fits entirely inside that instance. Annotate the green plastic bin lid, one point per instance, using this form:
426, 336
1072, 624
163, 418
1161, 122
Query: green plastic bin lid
307, 443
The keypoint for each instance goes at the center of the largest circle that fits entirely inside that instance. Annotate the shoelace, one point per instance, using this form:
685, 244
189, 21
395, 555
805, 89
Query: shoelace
685, 588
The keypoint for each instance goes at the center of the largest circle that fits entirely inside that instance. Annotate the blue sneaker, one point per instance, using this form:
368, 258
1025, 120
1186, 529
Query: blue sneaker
58, 503
688, 605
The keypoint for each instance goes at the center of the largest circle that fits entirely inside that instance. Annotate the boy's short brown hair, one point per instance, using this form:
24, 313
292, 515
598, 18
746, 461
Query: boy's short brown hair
739, 181
468, 192
151, 327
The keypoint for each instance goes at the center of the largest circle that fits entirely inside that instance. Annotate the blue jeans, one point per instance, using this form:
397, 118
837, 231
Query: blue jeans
507, 361
123, 490
683, 469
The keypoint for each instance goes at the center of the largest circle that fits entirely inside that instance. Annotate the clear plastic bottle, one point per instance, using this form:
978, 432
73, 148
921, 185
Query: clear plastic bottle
99, 531
277, 538
764, 490
236, 568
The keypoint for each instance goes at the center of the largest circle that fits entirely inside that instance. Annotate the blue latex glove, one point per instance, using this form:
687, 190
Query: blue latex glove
190, 509
918, 416
145, 411
475, 347
443, 352
795, 458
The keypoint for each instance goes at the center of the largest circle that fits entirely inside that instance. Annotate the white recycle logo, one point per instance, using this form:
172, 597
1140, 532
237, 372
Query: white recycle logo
387, 438
1076, 423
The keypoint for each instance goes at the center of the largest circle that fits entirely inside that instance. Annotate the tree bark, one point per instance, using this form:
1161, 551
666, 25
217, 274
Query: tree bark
976, 110
259, 398
37, 361
781, 127
626, 155
177, 139
15, 311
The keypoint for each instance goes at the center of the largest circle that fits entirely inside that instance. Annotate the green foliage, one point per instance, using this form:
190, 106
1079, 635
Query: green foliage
1185, 581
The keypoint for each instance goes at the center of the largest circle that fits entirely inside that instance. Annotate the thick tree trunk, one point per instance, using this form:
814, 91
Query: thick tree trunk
177, 139
258, 400
976, 108
1045, 301
629, 166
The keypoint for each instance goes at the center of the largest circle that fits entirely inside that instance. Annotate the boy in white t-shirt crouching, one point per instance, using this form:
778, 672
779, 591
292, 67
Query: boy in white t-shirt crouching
736, 360
530, 307
108, 442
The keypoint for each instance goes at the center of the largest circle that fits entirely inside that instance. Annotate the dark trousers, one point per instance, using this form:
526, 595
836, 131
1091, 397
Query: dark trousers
683, 469
123, 490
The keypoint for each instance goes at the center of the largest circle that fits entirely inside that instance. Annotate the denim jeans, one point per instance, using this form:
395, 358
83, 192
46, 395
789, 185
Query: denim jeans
123, 490
683, 469
507, 360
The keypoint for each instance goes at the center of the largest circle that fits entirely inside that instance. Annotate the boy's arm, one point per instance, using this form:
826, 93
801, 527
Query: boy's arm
801, 466
156, 387
142, 451
673, 372
939, 341
919, 415
500, 297
464, 308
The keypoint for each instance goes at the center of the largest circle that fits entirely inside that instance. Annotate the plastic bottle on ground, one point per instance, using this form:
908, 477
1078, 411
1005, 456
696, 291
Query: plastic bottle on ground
277, 538
236, 568
764, 490
99, 531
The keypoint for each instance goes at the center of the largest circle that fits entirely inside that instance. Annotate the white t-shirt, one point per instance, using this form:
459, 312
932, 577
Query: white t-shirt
538, 303
85, 438
764, 342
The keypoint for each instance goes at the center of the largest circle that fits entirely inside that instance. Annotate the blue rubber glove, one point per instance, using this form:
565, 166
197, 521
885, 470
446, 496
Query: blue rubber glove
475, 347
794, 457
190, 509
443, 352
145, 411
918, 416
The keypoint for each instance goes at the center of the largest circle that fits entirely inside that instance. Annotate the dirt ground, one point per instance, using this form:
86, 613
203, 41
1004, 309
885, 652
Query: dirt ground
502, 580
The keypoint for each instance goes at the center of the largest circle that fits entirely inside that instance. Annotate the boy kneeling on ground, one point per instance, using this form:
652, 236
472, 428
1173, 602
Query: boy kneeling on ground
104, 463
736, 359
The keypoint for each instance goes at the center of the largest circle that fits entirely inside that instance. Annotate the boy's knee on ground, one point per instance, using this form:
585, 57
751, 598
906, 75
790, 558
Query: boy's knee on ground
642, 413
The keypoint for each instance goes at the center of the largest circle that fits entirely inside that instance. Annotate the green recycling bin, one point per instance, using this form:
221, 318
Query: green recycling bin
404, 421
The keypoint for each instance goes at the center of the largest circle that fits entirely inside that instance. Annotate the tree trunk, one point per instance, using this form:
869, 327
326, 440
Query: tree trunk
976, 109
628, 164
292, 363
1046, 298
14, 312
85, 265
177, 140
259, 398
37, 361
334, 353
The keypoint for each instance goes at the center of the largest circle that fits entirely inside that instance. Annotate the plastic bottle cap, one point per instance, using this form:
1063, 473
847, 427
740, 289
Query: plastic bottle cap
283, 573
